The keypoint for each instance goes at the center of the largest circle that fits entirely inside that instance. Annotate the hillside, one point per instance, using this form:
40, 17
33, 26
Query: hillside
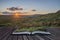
37, 20
51, 19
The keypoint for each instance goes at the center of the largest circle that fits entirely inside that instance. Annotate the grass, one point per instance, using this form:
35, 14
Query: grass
32, 22
31, 29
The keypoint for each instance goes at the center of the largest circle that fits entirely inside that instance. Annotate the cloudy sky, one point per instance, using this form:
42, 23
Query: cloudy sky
39, 5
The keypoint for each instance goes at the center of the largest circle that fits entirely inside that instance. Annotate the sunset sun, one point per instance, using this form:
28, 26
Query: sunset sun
16, 15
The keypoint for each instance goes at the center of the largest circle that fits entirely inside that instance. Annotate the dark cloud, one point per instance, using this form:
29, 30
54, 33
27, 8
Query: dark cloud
14, 8
33, 10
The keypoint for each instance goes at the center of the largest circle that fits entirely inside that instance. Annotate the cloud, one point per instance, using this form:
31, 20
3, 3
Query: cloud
14, 8
33, 10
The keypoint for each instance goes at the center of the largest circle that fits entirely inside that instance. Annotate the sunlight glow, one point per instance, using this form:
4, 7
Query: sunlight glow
16, 15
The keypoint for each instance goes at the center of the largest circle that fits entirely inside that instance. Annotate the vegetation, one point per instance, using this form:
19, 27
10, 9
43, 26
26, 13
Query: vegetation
32, 22
31, 29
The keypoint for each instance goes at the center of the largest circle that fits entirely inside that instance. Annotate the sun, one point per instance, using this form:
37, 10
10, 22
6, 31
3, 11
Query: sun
16, 15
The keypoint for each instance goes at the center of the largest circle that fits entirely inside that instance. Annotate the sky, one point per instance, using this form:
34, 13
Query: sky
27, 5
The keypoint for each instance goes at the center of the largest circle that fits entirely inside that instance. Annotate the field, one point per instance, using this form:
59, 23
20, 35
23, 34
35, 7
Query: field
31, 22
